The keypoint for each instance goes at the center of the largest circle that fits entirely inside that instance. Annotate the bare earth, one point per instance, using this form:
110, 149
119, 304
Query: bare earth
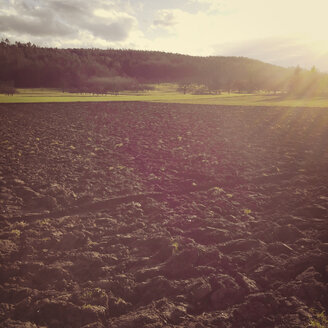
132, 215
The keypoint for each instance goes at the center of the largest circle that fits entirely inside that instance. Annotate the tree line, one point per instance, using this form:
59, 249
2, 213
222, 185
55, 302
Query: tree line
25, 65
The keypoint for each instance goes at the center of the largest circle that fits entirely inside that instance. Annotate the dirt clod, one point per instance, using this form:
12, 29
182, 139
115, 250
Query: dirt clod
148, 215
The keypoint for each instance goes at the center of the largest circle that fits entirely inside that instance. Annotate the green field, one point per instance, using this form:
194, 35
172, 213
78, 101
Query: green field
164, 93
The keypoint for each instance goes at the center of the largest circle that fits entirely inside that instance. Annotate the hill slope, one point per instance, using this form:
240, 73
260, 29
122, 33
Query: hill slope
27, 65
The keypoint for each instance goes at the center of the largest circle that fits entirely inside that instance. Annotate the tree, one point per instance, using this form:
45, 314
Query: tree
8, 88
184, 86
295, 82
31, 66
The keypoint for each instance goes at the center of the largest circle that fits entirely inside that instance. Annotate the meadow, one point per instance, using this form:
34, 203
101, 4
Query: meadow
165, 93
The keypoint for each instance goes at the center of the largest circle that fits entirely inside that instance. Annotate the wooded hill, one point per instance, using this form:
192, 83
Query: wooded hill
101, 71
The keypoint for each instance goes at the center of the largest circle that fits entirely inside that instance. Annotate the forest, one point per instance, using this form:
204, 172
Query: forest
25, 65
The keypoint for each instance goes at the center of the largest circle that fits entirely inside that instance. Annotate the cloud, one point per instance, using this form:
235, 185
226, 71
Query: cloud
190, 33
113, 31
65, 9
110, 25
166, 18
213, 5
41, 26
97, 19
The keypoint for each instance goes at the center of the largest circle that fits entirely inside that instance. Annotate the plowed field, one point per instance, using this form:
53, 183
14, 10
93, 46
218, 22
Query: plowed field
132, 215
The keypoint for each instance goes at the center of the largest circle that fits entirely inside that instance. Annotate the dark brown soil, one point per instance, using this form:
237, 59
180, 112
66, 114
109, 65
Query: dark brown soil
132, 215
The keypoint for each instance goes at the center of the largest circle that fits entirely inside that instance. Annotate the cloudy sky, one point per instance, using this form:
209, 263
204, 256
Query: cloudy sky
283, 32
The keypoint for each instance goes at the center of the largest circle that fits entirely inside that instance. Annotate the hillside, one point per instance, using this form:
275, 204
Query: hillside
103, 71
31, 66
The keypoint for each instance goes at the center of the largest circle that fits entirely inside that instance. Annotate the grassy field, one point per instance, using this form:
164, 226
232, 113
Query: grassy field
164, 93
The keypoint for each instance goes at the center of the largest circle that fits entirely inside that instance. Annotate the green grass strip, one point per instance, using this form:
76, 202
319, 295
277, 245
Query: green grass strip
164, 93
